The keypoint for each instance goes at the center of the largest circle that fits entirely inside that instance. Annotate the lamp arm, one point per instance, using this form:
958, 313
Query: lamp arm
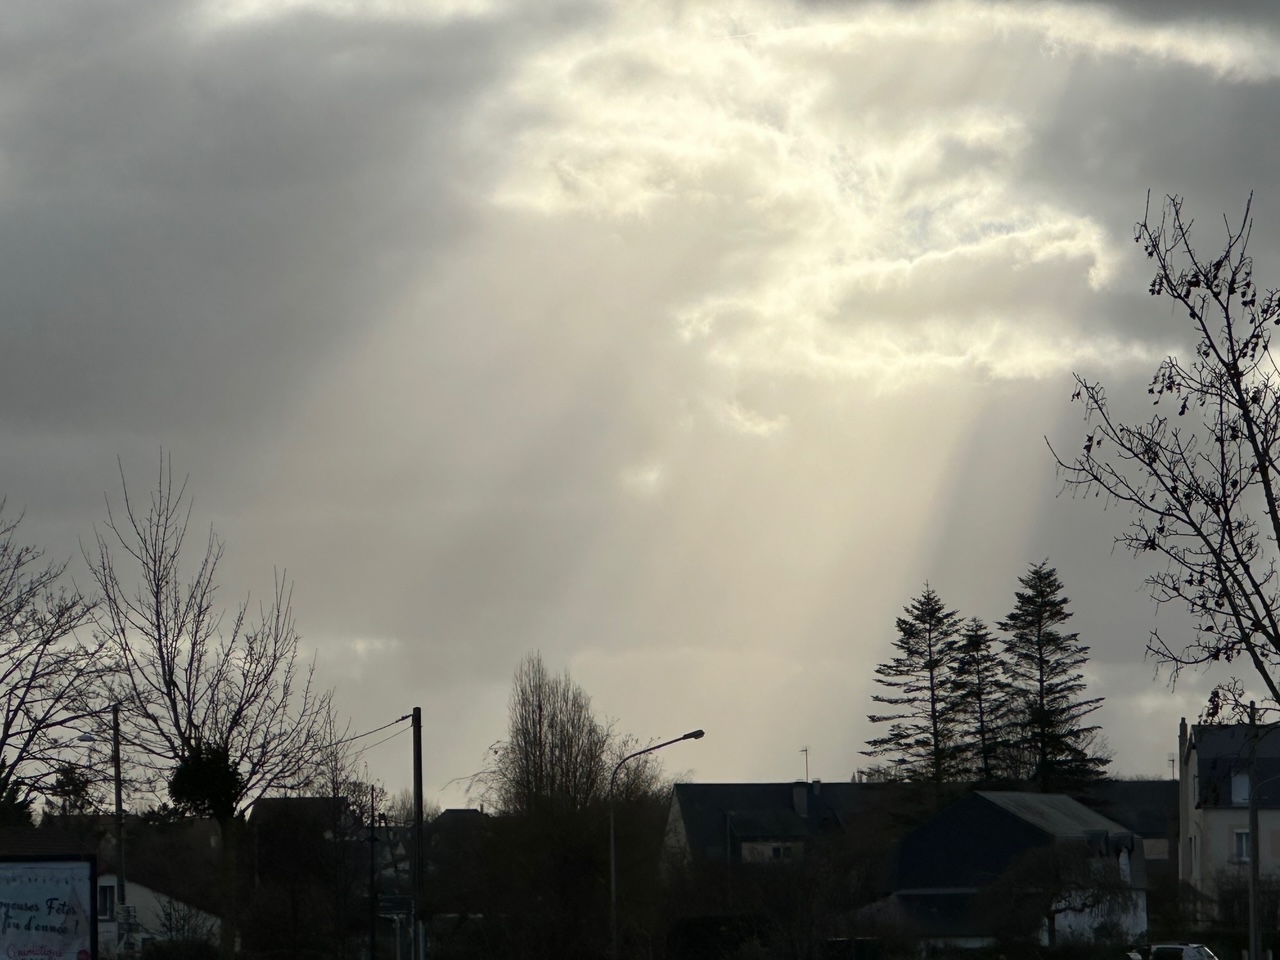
639, 753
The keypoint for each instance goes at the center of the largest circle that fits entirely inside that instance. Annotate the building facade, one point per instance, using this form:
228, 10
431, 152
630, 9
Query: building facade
1220, 766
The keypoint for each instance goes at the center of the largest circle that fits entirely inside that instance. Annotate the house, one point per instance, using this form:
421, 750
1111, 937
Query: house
752, 823
150, 915
1015, 864
1214, 788
1149, 808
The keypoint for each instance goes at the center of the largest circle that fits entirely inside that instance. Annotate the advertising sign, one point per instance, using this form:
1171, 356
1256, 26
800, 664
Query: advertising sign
47, 909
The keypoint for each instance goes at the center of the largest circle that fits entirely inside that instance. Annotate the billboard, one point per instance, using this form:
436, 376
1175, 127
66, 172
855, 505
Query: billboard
47, 908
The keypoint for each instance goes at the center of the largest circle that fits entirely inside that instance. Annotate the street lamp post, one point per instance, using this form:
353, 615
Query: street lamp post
613, 853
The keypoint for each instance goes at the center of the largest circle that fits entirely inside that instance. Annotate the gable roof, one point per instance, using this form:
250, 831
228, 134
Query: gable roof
1147, 807
715, 814
975, 839
1231, 740
1056, 814
1222, 751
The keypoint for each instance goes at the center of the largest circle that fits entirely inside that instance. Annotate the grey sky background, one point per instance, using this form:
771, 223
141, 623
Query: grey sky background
683, 342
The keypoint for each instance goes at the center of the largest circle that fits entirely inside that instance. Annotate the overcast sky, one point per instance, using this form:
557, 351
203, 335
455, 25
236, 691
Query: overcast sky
680, 341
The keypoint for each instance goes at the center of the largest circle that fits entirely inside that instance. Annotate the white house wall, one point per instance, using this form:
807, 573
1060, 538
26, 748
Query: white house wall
1081, 926
148, 906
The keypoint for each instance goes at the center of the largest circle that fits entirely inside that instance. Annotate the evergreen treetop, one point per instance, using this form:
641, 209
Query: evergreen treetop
922, 740
1043, 667
982, 693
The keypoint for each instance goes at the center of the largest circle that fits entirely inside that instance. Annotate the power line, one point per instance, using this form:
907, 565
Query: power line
398, 733
338, 743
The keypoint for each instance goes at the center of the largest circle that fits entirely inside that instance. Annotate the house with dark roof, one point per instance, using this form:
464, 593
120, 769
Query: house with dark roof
780, 862
1020, 863
1214, 787
745, 823
1147, 807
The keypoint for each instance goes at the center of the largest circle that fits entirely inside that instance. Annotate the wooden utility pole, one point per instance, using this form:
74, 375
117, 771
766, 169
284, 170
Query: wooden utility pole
419, 939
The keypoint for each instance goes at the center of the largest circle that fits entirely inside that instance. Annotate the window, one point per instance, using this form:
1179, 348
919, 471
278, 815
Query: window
1240, 789
106, 902
1242, 846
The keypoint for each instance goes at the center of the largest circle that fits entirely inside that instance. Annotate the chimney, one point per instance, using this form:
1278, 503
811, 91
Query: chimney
800, 797
1182, 741
817, 786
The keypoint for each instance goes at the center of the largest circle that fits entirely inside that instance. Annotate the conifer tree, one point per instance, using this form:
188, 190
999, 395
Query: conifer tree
1043, 666
982, 695
921, 743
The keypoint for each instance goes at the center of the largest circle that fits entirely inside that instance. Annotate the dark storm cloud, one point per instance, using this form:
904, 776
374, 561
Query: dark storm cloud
193, 218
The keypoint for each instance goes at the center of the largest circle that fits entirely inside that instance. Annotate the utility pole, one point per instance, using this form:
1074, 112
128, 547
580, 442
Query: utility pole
418, 906
115, 764
373, 878
1255, 848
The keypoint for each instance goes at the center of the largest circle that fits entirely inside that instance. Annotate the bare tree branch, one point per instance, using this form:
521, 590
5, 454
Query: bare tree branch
49, 675
191, 676
1201, 480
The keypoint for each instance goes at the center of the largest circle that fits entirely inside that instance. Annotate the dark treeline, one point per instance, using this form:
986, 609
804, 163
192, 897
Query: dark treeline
964, 704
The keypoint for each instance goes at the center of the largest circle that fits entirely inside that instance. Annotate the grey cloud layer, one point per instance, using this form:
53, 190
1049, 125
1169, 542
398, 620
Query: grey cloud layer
675, 345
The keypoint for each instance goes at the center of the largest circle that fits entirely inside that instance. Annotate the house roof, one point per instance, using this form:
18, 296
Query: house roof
1147, 807
1231, 740
975, 839
713, 813
1223, 750
1056, 814
39, 841
269, 811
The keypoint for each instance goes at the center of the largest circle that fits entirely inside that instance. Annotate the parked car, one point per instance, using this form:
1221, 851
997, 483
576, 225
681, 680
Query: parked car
1179, 951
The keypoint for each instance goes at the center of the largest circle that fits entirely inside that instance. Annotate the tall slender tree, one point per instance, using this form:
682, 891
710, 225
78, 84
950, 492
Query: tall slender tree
982, 694
1043, 665
922, 741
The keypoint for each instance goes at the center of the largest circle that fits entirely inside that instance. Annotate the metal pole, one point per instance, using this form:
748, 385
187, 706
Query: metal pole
613, 879
115, 764
1255, 848
419, 913
613, 855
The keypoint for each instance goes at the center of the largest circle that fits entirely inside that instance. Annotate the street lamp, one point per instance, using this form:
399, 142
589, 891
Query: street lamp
613, 854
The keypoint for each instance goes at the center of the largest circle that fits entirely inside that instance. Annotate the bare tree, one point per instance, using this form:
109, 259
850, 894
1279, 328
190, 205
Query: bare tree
556, 750
185, 924
1201, 478
49, 677
218, 706
558, 754
399, 808
1064, 879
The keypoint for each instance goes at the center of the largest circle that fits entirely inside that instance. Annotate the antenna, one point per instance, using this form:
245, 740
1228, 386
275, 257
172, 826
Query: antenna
805, 751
